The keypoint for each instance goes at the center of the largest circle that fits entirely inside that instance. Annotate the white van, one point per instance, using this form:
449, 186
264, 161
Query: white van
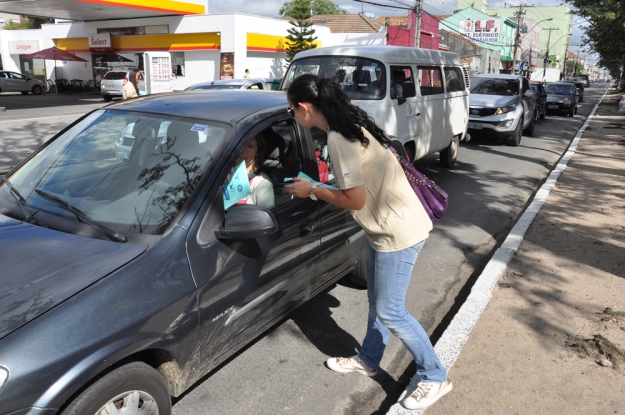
426, 118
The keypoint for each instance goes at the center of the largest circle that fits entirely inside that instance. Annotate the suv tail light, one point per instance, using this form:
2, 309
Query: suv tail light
101, 82
125, 81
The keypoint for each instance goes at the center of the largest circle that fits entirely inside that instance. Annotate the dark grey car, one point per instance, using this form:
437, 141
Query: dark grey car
124, 281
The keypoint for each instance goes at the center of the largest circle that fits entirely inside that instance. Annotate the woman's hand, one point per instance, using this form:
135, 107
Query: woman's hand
299, 188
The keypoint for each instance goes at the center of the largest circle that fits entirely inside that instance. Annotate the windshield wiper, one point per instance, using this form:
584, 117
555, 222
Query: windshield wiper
82, 216
28, 218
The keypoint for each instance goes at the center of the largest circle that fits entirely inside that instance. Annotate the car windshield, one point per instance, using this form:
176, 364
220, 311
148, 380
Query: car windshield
360, 79
560, 89
131, 172
494, 86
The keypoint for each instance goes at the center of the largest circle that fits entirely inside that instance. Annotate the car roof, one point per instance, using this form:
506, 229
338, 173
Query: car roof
212, 104
496, 76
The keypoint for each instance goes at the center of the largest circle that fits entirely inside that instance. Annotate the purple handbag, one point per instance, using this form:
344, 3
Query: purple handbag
433, 198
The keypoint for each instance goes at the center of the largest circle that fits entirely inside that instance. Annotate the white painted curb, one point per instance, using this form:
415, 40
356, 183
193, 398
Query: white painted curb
450, 344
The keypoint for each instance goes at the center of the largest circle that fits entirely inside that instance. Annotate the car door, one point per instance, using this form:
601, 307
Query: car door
528, 100
403, 90
244, 286
16, 82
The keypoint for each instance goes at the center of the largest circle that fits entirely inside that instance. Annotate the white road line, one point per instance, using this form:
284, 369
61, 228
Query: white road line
450, 344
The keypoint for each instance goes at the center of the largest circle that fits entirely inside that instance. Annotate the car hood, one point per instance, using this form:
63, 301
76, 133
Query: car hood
40, 268
491, 101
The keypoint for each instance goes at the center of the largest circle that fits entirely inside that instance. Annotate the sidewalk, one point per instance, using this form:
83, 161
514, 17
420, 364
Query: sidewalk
549, 339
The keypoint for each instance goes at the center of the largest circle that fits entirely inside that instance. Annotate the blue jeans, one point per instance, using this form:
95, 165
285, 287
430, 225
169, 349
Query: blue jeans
388, 276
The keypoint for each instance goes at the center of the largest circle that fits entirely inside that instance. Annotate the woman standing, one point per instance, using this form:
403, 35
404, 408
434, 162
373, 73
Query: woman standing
131, 88
374, 187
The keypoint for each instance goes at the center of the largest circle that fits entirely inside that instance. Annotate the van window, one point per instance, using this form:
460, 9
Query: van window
402, 82
360, 79
454, 79
430, 80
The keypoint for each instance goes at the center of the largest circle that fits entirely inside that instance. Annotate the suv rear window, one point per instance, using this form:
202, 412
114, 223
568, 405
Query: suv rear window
115, 75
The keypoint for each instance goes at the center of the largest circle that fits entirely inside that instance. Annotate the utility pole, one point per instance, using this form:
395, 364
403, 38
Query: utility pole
518, 14
418, 8
547, 53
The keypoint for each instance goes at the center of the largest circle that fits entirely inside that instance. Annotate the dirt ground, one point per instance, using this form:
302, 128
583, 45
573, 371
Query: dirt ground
552, 337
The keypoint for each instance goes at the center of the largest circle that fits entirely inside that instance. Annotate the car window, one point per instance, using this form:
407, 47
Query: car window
115, 75
560, 89
430, 80
494, 86
2, 75
454, 79
359, 78
255, 86
132, 172
402, 82
15, 75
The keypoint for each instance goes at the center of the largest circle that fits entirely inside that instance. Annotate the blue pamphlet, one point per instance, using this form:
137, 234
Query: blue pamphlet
313, 181
238, 187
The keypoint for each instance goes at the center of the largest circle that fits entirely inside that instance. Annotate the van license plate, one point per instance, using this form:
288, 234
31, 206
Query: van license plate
475, 125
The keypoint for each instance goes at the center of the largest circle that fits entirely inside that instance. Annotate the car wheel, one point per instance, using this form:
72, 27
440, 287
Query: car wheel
135, 388
107, 98
515, 138
450, 154
37, 89
544, 113
530, 128
359, 274
572, 111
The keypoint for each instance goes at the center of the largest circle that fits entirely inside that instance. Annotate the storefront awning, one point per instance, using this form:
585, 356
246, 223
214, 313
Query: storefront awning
87, 10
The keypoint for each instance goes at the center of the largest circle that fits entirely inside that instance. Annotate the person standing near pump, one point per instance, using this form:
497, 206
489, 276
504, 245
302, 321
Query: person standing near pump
374, 187
131, 88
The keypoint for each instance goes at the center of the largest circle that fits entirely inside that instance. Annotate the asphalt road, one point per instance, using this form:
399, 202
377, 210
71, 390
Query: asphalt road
283, 371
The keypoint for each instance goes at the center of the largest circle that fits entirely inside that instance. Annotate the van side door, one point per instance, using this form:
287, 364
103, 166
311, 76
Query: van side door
403, 94
431, 106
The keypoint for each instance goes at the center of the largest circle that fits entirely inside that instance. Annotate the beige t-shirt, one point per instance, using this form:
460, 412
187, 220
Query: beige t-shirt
393, 217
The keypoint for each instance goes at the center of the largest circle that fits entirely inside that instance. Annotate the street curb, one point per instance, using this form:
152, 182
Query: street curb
455, 336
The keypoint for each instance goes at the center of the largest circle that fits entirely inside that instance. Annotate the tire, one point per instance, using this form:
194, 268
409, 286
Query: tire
37, 90
544, 113
107, 98
144, 385
24, 92
572, 111
530, 128
450, 154
359, 274
515, 138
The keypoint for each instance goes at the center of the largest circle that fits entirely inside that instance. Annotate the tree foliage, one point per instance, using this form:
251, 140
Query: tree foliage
319, 7
300, 36
27, 22
605, 33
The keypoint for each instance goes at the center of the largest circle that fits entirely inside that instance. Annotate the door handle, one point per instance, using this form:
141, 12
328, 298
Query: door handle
417, 114
307, 228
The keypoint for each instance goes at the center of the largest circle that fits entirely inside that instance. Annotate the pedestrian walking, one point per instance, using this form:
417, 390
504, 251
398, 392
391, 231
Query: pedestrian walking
247, 73
131, 88
374, 187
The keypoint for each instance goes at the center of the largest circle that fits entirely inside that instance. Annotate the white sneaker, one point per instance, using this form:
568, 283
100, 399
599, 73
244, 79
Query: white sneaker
350, 364
426, 394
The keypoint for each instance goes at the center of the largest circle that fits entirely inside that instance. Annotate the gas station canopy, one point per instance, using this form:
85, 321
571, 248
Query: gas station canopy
87, 10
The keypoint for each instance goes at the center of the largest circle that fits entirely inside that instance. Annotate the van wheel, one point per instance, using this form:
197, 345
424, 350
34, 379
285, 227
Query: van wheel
135, 388
450, 154
359, 274
515, 138
530, 128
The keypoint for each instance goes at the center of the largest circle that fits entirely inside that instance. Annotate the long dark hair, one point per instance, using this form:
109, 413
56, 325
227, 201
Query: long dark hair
342, 116
132, 78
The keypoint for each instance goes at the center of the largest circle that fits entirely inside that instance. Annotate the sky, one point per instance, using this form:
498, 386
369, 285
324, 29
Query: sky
270, 8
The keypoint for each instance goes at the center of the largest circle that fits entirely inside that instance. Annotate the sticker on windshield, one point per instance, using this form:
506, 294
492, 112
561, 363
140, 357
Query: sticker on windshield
199, 127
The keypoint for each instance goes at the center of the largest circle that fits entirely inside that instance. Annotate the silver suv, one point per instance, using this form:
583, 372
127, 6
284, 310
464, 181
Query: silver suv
503, 106
113, 81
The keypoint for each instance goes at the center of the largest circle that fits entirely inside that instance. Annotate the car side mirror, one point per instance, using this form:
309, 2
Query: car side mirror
247, 222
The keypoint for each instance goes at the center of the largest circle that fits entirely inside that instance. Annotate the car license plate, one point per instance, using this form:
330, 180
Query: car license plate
552, 106
475, 125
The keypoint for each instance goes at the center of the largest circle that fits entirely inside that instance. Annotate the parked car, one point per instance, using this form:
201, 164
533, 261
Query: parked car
579, 89
584, 79
126, 281
503, 106
541, 98
243, 83
113, 81
562, 97
16, 82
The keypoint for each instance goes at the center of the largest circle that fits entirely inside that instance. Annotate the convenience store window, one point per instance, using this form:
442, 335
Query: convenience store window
177, 63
